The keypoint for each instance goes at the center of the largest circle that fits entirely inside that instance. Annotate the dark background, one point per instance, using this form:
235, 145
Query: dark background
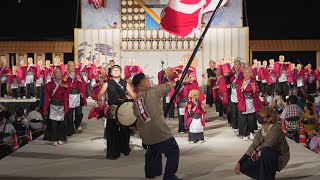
267, 19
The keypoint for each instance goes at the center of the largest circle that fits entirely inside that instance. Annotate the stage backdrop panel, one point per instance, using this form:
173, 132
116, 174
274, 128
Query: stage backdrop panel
97, 45
105, 44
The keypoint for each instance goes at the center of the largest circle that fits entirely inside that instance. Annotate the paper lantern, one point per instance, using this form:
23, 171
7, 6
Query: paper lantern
129, 18
142, 25
141, 10
179, 45
198, 34
136, 45
142, 17
124, 25
130, 25
130, 3
124, 18
148, 44
130, 34
148, 34
123, 10
124, 44
160, 33
185, 45
124, 34
123, 3
154, 45
167, 45
142, 34
136, 25
130, 10
129, 45
136, 10
154, 34
173, 45
135, 3
166, 34
160, 44
142, 45
136, 17
136, 34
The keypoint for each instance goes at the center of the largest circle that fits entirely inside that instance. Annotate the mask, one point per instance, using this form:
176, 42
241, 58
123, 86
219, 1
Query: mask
260, 119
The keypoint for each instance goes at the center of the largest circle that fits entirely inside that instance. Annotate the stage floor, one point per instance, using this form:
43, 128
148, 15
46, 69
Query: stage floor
83, 157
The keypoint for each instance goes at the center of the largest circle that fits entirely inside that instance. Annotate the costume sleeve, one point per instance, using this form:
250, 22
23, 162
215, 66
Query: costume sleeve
47, 95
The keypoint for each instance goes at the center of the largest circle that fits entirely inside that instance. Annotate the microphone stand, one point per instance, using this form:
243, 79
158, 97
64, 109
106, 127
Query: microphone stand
179, 83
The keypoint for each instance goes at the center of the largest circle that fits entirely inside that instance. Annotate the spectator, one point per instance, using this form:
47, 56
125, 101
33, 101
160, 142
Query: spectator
35, 119
6, 131
309, 120
311, 100
317, 99
272, 145
292, 109
301, 99
21, 124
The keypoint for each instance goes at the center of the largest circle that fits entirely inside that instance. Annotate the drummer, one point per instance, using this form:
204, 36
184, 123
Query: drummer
118, 137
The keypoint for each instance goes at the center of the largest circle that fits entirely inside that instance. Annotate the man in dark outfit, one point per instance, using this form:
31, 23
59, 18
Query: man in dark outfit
118, 137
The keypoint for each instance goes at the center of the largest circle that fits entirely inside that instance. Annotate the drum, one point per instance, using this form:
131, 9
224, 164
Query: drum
125, 116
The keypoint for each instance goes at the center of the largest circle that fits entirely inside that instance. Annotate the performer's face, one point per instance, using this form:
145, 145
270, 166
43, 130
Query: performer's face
30, 61
116, 72
293, 66
212, 64
255, 61
259, 63
145, 83
14, 68
103, 71
48, 63
281, 58
299, 67
40, 63
237, 66
264, 63
58, 74
271, 61
247, 74
71, 67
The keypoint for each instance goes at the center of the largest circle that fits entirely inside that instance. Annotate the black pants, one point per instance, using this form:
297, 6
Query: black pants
57, 130
263, 88
311, 88
270, 89
234, 115
14, 93
73, 125
284, 89
39, 89
118, 139
171, 110
3, 89
247, 123
88, 90
30, 90
22, 91
209, 98
220, 107
181, 124
264, 168
195, 137
153, 159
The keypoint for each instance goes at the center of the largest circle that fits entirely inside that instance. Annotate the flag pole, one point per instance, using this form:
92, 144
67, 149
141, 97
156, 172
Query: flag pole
179, 83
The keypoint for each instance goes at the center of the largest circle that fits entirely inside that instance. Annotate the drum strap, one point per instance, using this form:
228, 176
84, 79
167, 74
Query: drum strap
117, 87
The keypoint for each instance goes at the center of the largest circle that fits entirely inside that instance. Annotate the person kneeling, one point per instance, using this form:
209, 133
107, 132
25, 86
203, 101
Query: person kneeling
272, 145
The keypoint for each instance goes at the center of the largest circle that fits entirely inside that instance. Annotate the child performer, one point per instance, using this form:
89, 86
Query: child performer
194, 117
4, 70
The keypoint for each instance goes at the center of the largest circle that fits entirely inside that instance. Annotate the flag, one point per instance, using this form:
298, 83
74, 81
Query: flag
181, 17
96, 3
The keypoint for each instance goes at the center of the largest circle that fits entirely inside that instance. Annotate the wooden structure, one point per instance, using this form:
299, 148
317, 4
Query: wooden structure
286, 45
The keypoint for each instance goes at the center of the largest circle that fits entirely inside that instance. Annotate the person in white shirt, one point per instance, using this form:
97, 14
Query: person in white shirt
35, 118
6, 131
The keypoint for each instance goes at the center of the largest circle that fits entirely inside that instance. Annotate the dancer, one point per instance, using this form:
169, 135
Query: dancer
40, 78
220, 93
194, 118
22, 68
56, 99
248, 103
156, 136
211, 75
77, 98
310, 79
4, 70
30, 78
131, 69
118, 138
87, 73
14, 80
283, 72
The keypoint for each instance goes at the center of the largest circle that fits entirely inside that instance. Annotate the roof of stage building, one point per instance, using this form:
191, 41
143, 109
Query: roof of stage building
284, 45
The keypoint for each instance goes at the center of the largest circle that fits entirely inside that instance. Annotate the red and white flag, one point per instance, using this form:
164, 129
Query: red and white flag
181, 17
96, 3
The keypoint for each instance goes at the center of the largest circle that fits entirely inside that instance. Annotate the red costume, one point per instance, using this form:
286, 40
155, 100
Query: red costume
61, 66
255, 95
130, 71
3, 72
222, 91
75, 84
61, 93
195, 109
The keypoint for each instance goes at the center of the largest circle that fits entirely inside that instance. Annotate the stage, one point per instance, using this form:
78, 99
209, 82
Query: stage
83, 157
12, 104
